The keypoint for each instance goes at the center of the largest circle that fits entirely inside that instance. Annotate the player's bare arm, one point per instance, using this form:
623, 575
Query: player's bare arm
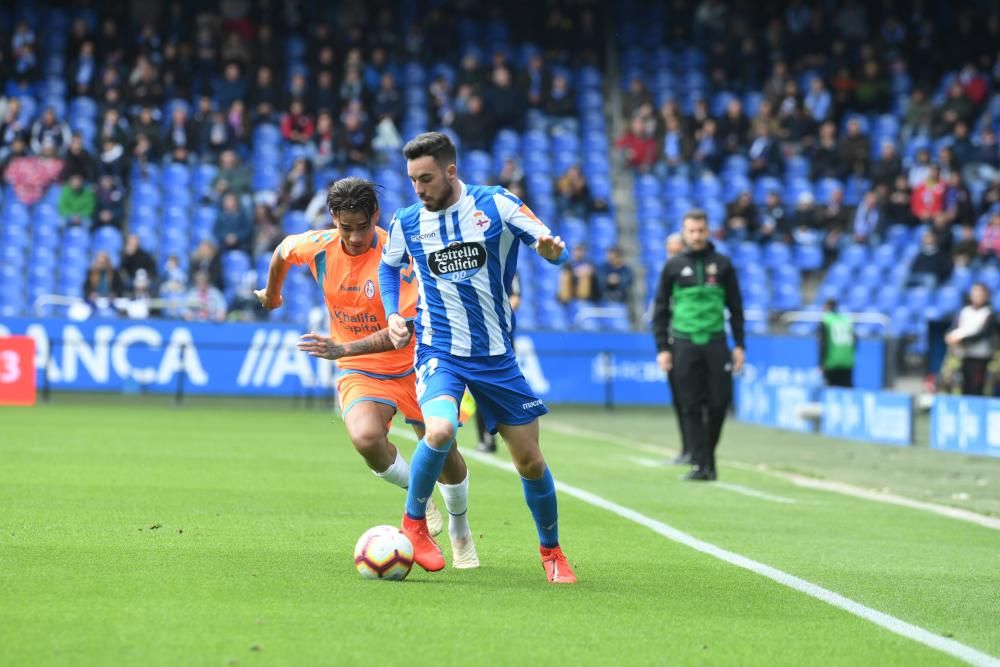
270, 296
324, 347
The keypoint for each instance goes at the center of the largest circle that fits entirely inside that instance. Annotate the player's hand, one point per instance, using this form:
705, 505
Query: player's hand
319, 346
665, 360
953, 338
268, 301
399, 331
739, 359
550, 248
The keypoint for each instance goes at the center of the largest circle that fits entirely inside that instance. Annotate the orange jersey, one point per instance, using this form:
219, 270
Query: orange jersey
350, 288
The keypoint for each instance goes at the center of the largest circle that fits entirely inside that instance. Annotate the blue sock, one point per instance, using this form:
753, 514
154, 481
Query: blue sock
425, 468
540, 495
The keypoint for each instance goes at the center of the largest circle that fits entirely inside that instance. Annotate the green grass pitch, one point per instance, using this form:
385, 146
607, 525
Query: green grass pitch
221, 533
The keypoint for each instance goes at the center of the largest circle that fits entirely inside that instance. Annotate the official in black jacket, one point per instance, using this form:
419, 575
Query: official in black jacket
696, 288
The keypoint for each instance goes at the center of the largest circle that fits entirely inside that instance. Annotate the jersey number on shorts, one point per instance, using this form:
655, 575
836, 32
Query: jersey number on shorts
424, 373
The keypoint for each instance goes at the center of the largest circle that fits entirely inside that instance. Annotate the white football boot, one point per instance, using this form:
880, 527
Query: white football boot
463, 553
434, 521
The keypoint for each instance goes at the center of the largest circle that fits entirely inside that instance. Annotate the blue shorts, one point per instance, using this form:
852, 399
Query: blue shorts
500, 390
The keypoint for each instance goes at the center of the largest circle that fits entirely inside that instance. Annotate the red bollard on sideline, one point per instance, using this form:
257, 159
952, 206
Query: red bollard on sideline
17, 370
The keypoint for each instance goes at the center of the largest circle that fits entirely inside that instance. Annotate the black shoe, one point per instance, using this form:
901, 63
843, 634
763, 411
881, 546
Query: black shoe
712, 475
487, 447
681, 460
698, 475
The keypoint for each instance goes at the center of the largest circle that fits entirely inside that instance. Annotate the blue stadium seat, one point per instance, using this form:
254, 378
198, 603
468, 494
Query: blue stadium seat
825, 189
797, 167
708, 187
777, 254
736, 165
855, 189
83, 107
267, 134
176, 175
854, 255
763, 186
918, 298
961, 278
869, 275
677, 187
948, 300
647, 185
11, 255
789, 297
294, 222
990, 276
809, 257
885, 256
145, 194
201, 182
858, 298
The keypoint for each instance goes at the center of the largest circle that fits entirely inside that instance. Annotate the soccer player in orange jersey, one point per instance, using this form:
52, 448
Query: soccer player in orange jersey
372, 388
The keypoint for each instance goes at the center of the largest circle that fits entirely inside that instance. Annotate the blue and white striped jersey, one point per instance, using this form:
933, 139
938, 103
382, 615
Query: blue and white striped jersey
465, 257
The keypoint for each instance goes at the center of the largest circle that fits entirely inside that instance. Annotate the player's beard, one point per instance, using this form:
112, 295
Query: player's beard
438, 203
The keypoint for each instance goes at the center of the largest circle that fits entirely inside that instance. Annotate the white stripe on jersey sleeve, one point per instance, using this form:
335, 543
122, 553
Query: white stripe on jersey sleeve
394, 250
519, 218
484, 292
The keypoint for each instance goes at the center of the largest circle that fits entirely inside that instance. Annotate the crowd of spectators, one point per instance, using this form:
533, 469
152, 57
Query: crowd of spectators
813, 90
799, 74
232, 68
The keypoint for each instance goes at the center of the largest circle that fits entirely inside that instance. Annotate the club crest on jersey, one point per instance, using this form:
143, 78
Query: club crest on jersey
481, 219
370, 289
458, 262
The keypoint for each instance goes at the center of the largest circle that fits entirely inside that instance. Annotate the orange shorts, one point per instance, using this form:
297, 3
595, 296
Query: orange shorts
400, 393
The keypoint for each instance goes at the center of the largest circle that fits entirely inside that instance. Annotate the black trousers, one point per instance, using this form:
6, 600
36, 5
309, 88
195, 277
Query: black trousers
839, 377
974, 376
679, 414
704, 383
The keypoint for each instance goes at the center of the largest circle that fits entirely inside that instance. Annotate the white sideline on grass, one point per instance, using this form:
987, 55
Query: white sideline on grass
951, 647
831, 486
725, 486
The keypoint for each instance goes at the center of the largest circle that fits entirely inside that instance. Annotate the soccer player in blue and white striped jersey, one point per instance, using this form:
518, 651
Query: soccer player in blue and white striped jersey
464, 241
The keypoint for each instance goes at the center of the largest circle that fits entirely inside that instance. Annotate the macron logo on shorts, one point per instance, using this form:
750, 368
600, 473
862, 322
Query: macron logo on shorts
532, 404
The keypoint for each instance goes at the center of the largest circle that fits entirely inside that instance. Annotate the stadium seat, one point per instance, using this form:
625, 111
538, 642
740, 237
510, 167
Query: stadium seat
948, 300
763, 186
990, 276
777, 254
809, 257
961, 278
918, 298
854, 255
294, 222
858, 298
888, 297
870, 275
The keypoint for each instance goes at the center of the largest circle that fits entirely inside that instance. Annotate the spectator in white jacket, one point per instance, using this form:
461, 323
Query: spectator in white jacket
973, 339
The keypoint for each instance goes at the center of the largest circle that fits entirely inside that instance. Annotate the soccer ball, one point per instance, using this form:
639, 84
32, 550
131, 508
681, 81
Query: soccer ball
383, 552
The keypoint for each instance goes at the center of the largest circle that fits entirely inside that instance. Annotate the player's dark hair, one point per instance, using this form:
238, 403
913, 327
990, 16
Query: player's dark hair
435, 144
831, 305
696, 214
353, 194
